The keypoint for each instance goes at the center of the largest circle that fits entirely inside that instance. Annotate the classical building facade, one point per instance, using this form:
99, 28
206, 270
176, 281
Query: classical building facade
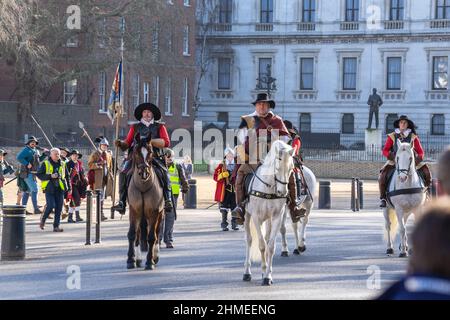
326, 56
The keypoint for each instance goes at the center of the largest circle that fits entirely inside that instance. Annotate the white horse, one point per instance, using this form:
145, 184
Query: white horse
307, 205
406, 193
265, 208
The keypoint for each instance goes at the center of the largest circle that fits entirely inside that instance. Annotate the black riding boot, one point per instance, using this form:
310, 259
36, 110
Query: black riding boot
77, 216
123, 187
234, 224
224, 224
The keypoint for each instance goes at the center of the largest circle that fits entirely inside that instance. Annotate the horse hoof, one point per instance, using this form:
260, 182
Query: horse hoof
402, 255
139, 263
149, 266
302, 249
285, 254
267, 282
296, 252
247, 277
131, 265
390, 251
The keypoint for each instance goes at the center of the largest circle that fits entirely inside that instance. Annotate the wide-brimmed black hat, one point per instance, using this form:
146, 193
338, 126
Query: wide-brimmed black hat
147, 106
411, 124
3, 152
75, 152
64, 149
264, 97
31, 139
290, 127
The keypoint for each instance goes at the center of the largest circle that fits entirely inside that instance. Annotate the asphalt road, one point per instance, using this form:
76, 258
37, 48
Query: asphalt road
344, 249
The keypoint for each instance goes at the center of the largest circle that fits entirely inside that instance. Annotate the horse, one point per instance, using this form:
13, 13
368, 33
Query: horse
307, 205
406, 195
145, 196
265, 208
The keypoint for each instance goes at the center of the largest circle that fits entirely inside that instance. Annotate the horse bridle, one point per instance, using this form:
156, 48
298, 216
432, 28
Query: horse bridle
406, 171
275, 177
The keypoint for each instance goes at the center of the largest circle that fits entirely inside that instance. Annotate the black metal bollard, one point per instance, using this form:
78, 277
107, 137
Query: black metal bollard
98, 195
13, 233
353, 196
361, 194
324, 195
88, 216
191, 196
357, 203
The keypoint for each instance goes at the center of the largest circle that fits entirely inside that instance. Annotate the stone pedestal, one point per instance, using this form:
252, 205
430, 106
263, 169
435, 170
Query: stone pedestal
373, 140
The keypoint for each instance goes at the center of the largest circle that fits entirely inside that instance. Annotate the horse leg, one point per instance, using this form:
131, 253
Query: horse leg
262, 244
297, 241
270, 250
131, 262
302, 236
158, 230
137, 248
402, 230
152, 238
284, 245
387, 226
247, 264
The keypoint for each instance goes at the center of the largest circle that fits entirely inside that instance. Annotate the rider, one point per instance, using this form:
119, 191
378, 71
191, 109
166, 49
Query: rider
148, 129
405, 131
262, 122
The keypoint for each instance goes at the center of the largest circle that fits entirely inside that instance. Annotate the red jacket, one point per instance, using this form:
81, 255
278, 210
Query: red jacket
220, 176
162, 135
296, 144
389, 145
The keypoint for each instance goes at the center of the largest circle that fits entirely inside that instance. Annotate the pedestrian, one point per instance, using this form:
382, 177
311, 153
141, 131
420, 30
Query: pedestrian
177, 180
65, 157
55, 182
443, 172
225, 194
78, 185
5, 168
29, 159
100, 165
188, 171
428, 276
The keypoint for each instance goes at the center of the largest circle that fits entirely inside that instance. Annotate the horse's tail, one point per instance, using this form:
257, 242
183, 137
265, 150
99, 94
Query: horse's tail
392, 219
255, 253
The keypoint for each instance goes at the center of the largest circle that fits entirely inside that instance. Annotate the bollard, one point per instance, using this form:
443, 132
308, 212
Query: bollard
98, 195
191, 195
361, 194
353, 196
324, 195
13, 233
88, 216
357, 200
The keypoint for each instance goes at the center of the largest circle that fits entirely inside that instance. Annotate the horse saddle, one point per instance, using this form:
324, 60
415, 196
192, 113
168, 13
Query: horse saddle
247, 181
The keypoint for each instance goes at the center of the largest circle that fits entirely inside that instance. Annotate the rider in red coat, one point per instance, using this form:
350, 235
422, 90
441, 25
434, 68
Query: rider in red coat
405, 131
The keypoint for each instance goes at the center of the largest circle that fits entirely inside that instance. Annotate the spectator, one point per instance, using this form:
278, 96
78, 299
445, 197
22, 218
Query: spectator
5, 168
428, 275
188, 167
443, 172
55, 181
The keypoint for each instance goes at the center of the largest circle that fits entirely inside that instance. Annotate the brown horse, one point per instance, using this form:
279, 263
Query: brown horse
145, 197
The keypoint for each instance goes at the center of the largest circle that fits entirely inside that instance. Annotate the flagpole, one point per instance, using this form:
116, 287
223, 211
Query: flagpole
118, 112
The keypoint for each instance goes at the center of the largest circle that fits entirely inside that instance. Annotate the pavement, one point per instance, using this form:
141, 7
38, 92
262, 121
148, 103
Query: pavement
345, 253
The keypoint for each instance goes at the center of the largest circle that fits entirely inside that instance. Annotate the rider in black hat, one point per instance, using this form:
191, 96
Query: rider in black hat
149, 129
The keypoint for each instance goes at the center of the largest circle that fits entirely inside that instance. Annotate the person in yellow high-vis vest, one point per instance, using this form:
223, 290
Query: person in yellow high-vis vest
55, 182
179, 182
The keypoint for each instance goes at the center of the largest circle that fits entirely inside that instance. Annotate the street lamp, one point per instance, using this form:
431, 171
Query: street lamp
266, 82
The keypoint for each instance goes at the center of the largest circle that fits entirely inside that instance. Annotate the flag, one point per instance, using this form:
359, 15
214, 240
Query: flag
115, 99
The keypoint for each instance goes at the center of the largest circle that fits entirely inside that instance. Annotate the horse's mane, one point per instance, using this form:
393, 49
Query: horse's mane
277, 146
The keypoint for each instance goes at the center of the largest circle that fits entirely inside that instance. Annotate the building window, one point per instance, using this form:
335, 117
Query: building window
394, 73
349, 74
396, 10
389, 125
351, 10
135, 92
168, 97
309, 11
186, 40
306, 73
442, 9
146, 92
225, 11
305, 122
187, 3
102, 90
266, 14
224, 75
184, 99
438, 125
154, 96
223, 117
348, 123
440, 73
70, 90
265, 65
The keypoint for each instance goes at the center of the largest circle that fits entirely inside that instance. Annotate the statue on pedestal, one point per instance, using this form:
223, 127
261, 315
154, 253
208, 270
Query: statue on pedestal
375, 103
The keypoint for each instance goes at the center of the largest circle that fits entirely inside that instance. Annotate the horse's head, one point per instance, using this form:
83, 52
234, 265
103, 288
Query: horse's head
142, 158
404, 160
280, 164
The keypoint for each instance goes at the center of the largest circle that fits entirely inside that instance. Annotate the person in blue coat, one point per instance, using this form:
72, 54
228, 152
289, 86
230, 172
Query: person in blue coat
29, 159
428, 275
5, 168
